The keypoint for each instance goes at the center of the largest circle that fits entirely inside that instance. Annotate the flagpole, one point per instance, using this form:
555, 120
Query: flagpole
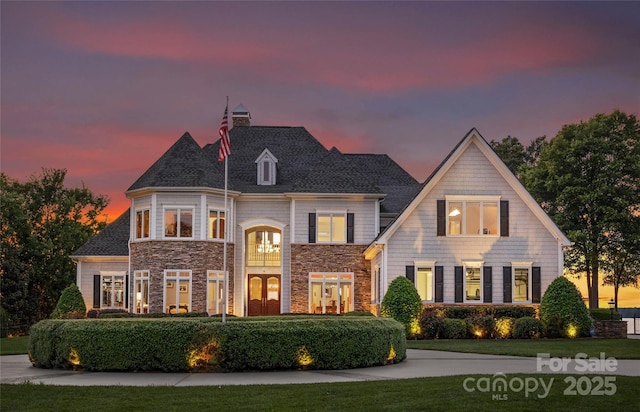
226, 236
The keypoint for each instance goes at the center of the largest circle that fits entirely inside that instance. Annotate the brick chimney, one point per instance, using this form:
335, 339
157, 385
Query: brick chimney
241, 116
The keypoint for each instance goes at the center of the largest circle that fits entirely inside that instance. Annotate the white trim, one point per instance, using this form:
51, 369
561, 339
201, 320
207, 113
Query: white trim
249, 223
204, 217
521, 265
473, 265
292, 220
154, 216
176, 288
376, 217
425, 264
178, 208
338, 281
331, 213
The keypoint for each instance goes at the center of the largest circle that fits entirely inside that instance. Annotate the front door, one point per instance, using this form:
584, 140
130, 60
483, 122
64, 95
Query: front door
264, 295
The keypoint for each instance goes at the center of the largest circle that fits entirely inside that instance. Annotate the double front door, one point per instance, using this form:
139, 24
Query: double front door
264, 295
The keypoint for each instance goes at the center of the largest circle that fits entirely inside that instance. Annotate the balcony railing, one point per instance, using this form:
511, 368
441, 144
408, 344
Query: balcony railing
263, 254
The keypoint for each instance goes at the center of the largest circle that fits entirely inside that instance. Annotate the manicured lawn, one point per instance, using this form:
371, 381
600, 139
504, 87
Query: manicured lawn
618, 348
14, 346
436, 394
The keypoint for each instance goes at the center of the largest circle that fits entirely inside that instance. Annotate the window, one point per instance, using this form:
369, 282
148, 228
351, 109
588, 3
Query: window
266, 176
266, 168
473, 283
178, 222
216, 224
521, 281
141, 288
424, 282
113, 289
142, 224
332, 228
177, 291
331, 292
263, 247
215, 292
471, 217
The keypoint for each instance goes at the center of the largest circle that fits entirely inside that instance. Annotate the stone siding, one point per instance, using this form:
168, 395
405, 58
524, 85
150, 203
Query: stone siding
306, 258
610, 328
197, 256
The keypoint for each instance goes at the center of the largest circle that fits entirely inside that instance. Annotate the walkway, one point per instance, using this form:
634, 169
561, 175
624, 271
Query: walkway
419, 363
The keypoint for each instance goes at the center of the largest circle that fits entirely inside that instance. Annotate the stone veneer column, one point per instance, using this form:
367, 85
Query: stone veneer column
307, 258
197, 256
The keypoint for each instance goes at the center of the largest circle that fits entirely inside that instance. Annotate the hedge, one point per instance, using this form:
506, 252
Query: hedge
184, 344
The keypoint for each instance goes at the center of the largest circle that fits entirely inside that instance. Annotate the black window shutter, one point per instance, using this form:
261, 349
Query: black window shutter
487, 284
535, 284
441, 217
312, 228
458, 277
504, 218
350, 218
506, 284
410, 273
97, 287
439, 284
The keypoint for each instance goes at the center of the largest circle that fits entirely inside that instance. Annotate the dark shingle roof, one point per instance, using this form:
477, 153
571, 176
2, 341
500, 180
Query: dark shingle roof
183, 165
399, 186
113, 240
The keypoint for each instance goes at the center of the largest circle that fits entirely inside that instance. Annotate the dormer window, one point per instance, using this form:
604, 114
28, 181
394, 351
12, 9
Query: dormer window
266, 163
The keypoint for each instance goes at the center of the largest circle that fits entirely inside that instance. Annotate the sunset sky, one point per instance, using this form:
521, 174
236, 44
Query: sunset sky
104, 88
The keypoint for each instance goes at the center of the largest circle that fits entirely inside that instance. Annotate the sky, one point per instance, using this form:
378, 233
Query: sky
103, 89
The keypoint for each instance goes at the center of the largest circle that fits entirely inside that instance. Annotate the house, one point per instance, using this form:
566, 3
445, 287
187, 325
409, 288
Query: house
312, 230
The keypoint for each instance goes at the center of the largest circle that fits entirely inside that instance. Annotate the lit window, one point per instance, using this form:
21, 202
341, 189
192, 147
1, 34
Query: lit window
332, 228
472, 218
215, 292
177, 291
331, 292
521, 282
113, 288
263, 247
178, 223
473, 283
141, 288
142, 224
424, 283
216, 224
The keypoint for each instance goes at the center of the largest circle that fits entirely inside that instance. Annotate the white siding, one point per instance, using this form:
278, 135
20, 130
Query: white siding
363, 210
86, 270
473, 174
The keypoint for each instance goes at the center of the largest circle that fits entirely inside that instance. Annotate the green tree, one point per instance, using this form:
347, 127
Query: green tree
588, 181
42, 222
517, 157
622, 257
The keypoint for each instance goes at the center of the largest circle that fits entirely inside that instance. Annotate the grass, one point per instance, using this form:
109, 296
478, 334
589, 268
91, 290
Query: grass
618, 348
434, 394
14, 346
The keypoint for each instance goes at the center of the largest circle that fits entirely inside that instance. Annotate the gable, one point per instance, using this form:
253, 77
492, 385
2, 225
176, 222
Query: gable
472, 168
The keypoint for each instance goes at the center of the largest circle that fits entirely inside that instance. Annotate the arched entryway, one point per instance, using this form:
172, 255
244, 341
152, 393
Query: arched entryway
263, 262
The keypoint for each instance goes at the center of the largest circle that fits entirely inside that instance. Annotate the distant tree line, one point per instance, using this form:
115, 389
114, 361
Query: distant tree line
587, 178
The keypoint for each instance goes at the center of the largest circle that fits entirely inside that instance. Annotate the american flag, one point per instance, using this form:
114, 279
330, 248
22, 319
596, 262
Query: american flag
225, 146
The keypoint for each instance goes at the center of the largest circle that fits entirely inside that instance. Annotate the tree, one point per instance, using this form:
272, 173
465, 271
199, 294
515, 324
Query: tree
588, 181
517, 157
622, 257
42, 222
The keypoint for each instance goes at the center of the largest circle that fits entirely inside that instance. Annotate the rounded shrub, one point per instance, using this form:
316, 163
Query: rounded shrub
562, 310
503, 327
402, 303
454, 329
526, 328
187, 344
70, 305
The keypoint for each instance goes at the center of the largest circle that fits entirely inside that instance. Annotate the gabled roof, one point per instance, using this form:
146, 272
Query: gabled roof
472, 137
113, 240
183, 165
